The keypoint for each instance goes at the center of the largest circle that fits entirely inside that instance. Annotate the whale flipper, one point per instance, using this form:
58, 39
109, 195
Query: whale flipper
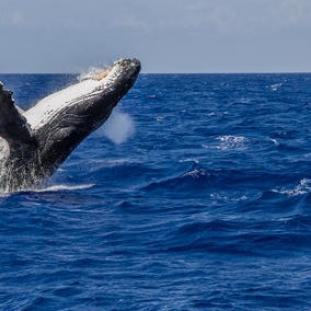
13, 125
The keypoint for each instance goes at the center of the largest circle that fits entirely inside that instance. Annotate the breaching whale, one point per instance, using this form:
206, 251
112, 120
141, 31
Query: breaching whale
35, 142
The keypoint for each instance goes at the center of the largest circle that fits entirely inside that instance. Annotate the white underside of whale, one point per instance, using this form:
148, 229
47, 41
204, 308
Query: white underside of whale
49, 106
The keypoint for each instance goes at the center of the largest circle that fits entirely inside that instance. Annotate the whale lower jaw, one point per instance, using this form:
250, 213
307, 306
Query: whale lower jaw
34, 143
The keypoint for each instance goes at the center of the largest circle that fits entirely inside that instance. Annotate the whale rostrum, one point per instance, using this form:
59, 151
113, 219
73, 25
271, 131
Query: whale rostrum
35, 142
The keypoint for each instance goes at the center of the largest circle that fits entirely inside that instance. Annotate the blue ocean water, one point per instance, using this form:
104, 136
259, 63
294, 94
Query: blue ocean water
206, 207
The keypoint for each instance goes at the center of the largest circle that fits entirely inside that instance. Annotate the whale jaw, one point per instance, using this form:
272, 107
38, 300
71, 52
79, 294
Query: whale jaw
58, 123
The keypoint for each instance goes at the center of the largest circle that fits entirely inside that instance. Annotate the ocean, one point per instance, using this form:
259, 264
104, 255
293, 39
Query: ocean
203, 204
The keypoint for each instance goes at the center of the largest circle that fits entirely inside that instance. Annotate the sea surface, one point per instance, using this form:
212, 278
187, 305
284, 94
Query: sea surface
207, 206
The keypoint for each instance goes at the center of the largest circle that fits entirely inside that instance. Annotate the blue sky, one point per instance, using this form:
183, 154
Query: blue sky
167, 35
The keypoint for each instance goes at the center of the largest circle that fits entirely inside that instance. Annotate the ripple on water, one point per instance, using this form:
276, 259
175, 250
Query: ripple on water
205, 207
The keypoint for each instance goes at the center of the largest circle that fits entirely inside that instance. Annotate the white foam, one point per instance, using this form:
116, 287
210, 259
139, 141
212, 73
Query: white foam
230, 142
52, 188
276, 87
193, 160
110, 162
303, 187
231, 138
232, 198
56, 188
196, 173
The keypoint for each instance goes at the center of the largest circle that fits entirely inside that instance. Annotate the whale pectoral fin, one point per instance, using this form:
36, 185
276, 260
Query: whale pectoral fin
13, 125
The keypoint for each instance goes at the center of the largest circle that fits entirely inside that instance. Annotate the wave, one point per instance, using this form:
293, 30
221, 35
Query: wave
192, 180
118, 171
303, 187
238, 236
191, 160
200, 178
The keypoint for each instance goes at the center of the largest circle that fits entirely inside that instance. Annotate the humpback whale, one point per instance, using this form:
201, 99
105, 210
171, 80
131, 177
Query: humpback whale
35, 142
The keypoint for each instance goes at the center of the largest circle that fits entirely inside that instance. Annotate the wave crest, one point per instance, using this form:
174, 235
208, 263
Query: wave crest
303, 187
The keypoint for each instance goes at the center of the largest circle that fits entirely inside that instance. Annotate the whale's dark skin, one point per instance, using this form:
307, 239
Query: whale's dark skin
30, 153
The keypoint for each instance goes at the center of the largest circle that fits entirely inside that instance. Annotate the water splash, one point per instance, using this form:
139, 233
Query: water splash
51, 188
63, 187
95, 73
118, 128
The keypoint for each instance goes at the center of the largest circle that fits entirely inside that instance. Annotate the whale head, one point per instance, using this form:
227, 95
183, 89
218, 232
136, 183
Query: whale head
62, 120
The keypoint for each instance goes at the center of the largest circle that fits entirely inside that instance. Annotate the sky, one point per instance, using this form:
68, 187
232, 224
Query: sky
166, 35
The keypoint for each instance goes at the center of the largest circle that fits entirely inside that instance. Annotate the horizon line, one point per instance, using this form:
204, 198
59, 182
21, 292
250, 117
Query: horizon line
168, 73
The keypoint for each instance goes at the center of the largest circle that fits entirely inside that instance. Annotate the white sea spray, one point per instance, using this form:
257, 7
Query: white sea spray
118, 128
